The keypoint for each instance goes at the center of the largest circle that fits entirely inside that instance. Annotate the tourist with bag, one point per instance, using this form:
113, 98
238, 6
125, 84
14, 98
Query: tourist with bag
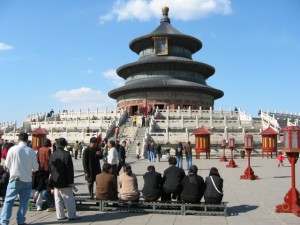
213, 187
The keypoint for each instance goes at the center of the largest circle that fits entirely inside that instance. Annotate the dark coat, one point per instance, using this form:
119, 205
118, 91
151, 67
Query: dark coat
91, 163
192, 188
40, 180
211, 195
122, 153
172, 180
61, 169
152, 184
188, 149
106, 187
4, 179
178, 151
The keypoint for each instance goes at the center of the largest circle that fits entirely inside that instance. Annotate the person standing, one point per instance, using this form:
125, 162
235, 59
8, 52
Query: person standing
112, 157
151, 151
158, 152
188, 154
21, 162
122, 156
143, 121
134, 120
76, 147
80, 147
62, 178
117, 131
91, 164
179, 150
105, 149
43, 155
138, 151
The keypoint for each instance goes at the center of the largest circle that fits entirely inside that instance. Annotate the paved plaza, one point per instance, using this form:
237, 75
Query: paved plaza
249, 202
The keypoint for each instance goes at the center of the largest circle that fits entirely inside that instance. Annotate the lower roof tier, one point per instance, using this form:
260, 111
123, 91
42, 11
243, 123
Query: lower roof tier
155, 84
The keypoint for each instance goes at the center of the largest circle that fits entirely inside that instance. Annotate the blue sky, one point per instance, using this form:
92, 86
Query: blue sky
63, 54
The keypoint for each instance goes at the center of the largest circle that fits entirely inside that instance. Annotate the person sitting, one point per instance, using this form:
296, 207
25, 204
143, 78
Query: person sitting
152, 185
172, 180
39, 183
48, 195
106, 184
192, 186
128, 185
4, 178
213, 187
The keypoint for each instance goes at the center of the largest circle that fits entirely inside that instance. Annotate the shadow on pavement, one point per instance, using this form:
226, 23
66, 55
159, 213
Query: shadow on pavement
97, 217
236, 210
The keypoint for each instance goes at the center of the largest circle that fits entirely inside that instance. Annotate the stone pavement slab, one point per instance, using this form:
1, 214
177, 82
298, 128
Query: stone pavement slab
249, 202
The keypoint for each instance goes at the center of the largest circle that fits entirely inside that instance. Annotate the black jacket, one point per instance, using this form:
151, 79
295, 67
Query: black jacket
61, 169
122, 153
91, 163
192, 188
4, 179
40, 180
172, 180
152, 184
178, 151
210, 190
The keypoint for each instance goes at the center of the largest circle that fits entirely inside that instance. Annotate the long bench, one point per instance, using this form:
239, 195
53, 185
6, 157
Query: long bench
158, 207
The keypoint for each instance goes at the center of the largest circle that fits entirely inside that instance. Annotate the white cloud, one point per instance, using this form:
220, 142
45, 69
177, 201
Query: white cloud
89, 71
4, 47
113, 77
145, 10
83, 98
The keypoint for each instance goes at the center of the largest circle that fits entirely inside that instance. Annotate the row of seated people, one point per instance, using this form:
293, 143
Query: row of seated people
174, 184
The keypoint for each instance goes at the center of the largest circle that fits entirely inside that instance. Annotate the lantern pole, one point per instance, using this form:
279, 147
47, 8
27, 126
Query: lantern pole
292, 148
223, 145
249, 173
231, 163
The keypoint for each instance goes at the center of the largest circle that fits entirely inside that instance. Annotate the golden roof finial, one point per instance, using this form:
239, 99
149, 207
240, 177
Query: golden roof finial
165, 10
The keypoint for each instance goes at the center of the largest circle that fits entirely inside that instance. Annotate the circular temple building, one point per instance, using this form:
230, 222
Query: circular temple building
165, 74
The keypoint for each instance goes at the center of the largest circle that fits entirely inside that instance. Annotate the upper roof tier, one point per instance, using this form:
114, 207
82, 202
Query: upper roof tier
176, 38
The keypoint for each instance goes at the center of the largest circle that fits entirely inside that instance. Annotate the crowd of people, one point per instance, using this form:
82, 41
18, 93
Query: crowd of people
50, 172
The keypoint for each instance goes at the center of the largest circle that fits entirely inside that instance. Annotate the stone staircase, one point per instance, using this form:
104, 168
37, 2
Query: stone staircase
140, 134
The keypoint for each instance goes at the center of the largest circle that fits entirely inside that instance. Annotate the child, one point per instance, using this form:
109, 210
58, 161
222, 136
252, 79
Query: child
280, 159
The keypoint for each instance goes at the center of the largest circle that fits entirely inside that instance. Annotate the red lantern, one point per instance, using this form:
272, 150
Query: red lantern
291, 146
231, 163
248, 140
223, 145
248, 145
231, 142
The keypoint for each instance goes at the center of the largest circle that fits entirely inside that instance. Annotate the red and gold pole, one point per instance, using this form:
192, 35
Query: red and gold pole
231, 163
292, 148
223, 145
249, 173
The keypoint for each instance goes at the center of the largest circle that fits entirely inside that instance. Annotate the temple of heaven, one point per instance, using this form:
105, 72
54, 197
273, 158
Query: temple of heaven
165, 74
